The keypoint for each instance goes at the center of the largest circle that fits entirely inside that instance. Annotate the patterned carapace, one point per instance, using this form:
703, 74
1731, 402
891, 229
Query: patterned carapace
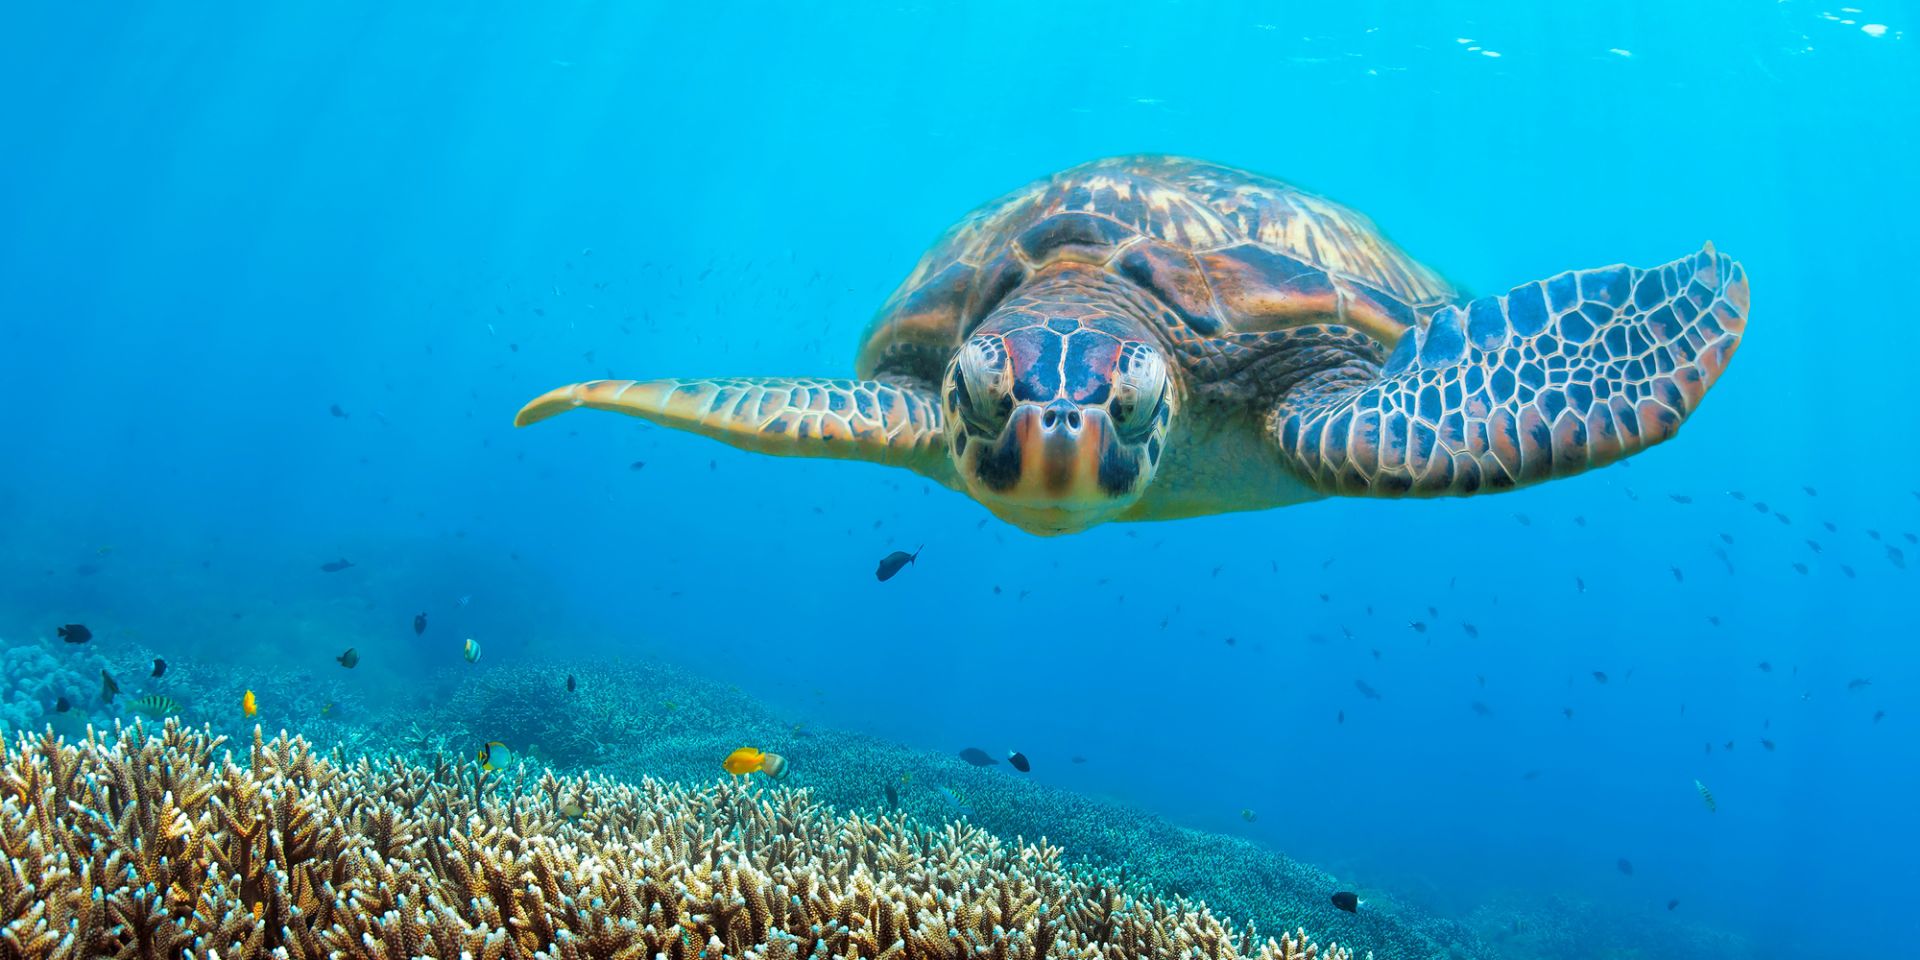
1154, 337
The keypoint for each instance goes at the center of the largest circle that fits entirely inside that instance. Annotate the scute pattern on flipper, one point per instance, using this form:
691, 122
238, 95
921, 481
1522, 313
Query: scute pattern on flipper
1553, 378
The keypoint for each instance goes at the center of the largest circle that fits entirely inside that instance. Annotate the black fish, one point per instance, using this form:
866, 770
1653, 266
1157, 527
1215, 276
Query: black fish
570, 685
75, 633
977, 757
1766, 667
1878, 715
637, 465
1599, 676
1340, 717
1080, 759
1366, 691
892, 562
336, 411
1671, 904
893, 798
335, 566
107, 687
159, 666
419, 624
62, 706
1768, 744
350, 659
1625, 865
1568, 711
1019, 761
1347, 901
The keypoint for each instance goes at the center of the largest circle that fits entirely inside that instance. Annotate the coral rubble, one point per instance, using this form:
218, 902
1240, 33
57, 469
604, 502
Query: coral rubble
158, 843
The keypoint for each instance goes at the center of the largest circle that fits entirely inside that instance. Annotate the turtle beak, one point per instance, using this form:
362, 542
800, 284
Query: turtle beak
1061, 486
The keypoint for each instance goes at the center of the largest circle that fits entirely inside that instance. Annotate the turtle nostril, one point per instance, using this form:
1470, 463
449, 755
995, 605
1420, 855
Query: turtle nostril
1047, 419
1073, 420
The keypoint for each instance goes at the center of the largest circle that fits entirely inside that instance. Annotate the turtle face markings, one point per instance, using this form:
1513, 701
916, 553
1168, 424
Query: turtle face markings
1057, 414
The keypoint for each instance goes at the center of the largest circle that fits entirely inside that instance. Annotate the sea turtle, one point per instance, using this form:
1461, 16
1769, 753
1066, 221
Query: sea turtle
1150, 337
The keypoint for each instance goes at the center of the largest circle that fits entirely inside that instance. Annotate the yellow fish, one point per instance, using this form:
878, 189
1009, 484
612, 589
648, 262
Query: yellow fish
495, 756
248, 705
748, 760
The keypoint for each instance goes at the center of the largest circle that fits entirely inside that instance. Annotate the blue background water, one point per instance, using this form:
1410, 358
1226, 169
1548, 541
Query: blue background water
222, 219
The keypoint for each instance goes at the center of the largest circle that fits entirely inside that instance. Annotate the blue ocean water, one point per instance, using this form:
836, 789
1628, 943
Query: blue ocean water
224, 222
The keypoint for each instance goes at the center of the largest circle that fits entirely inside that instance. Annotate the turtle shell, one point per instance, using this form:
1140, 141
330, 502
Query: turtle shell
1234, 256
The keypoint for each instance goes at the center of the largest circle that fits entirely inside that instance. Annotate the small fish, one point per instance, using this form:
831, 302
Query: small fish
465, 599
1481, 709
470, 650
977, 757
107, 687
1248, 815
1472, 631
1524, 520
1625, 865
1766, 667
1347, 901
159, 667
1417, 626
156, 706
1706, 796
1530, 775
1580, 584
1679, 498
893, 798
1366, 691
337, 412
572, 810
1340, 717
327, 710
637, 465
570, 684
746, 760
1599, 676
1878, 715
1768, 744
335, 566
893, 562
1727, 746
954, 799
350, 659
419, 624
1567, 711
62, 706
1671, 904
1019, 761
1859, 683
494, 755
1737, 495
74, 633
248, 704
1678, 577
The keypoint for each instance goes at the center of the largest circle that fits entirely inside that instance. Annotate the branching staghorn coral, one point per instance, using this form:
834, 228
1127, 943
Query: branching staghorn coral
151, 846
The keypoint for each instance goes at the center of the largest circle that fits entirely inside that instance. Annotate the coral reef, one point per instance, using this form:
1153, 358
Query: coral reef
32, 679
139, 845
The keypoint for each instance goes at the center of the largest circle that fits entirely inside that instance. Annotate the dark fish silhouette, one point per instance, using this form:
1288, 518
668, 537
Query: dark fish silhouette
107, 687
1768, 744
570, 686
1599, 676
335, 566
977, 757
419, 624
1625, 865
892, 562
1481, 709
75, 633
1347, 901
62, 706
1366, 691
1766, 667
1679, 498
350, 659
1340, 717
1019, 761
336, 411
893, 798
1568, 711
1878, 715
1530, 775
1671, 904
637, 465
159, 666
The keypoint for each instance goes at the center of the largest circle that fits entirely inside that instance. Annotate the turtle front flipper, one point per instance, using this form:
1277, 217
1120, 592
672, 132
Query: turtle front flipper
800, 417
1555, 377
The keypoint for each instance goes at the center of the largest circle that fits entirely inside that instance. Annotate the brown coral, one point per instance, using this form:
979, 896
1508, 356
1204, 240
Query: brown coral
148, 846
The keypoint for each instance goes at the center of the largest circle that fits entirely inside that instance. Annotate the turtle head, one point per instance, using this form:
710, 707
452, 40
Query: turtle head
1057, 425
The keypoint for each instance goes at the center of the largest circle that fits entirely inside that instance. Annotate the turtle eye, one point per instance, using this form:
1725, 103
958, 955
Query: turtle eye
981, 388
1138, 392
